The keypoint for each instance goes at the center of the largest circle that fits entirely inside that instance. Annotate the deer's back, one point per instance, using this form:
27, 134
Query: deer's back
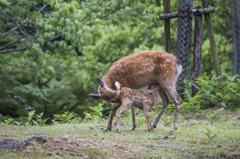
141, 69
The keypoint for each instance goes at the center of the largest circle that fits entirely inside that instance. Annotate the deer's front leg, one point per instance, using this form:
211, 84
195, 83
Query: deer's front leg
112, 113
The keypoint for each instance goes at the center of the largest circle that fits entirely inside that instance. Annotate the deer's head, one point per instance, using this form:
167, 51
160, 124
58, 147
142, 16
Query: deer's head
106, 93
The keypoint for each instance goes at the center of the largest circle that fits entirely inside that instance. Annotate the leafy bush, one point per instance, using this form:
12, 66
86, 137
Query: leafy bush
226, 93
212, 93
213, 116
96, 112
66, 117
37, 120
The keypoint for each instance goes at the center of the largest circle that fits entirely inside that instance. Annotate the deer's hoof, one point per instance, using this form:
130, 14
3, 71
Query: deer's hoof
173, 129
151, 129
105, 130
134, 126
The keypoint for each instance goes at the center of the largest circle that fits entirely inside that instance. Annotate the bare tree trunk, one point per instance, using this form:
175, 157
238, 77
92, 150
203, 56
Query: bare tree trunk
197, 55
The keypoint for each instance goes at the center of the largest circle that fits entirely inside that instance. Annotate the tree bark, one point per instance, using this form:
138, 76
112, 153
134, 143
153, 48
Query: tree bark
167, 42
197, 55
212, 43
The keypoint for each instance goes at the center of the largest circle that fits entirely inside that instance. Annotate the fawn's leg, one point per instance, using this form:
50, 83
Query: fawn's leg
133, 119
113, 111
165, 103
146, 112
119, 112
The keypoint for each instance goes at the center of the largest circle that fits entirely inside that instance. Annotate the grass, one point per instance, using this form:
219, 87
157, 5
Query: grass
87, 140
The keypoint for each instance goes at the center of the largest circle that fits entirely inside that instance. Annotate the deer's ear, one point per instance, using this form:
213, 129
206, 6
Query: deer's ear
100, 82
94, 96
117, 84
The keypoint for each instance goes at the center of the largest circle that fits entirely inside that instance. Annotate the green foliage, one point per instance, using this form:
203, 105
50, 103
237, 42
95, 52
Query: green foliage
38, 120
170, 108
190, 108
66, 117
140, 120
167, 120
95, 114
9, 121
66, 45
209, 134
29, 118
190, 105
225, 94
212, 117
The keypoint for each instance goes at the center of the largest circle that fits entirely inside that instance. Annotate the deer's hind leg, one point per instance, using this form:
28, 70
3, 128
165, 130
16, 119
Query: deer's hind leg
165, 103
171, 91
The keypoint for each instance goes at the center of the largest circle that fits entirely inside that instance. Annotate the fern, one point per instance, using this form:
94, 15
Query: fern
209, 133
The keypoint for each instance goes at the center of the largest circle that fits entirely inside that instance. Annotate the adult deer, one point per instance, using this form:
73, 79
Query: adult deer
140, 70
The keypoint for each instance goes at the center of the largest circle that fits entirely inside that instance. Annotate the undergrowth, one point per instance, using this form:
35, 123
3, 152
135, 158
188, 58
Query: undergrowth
225, 95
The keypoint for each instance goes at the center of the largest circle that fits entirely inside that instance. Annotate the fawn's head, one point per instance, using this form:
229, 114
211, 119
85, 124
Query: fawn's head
153, 88
106, 93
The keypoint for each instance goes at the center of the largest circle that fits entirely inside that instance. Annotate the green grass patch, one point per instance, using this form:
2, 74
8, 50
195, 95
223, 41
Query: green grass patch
195, 138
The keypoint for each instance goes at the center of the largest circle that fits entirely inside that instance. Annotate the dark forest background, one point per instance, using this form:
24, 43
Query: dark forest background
52, 51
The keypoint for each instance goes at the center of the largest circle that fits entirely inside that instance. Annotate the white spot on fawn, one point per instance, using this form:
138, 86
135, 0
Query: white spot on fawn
168, 60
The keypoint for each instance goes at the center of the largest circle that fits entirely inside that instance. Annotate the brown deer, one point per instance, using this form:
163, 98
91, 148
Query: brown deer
140, 70
129, 97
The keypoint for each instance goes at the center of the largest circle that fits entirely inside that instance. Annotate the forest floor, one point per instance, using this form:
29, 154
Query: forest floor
87, 139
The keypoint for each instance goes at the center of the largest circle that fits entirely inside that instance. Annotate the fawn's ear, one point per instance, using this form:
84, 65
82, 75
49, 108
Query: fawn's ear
117, 84
100, 82
94, 96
